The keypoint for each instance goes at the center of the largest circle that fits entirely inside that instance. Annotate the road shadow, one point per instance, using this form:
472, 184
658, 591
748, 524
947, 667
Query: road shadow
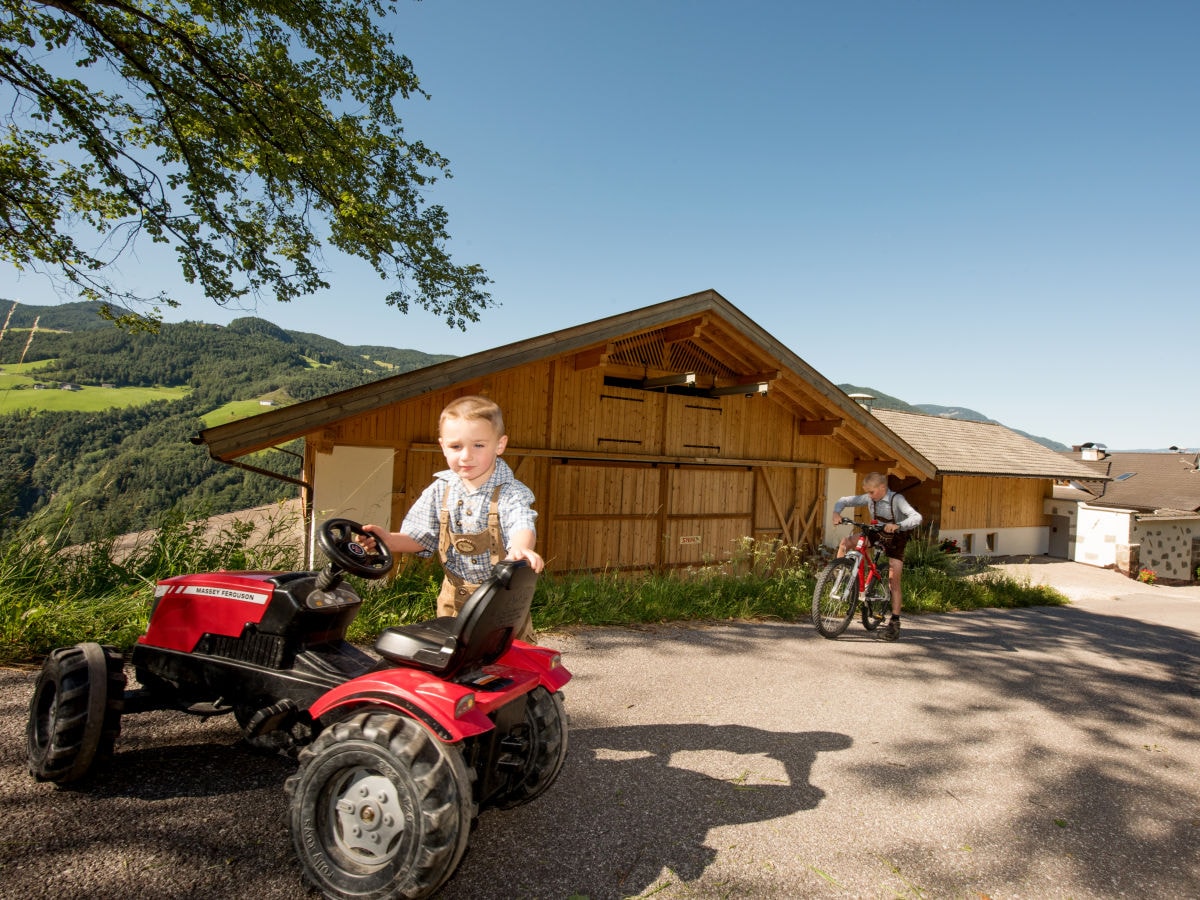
636, 800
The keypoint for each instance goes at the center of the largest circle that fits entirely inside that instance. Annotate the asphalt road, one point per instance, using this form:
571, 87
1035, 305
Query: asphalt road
1042, 753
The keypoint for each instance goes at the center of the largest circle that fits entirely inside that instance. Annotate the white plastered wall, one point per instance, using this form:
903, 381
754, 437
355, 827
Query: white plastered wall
352, 483
838, 483
1028, 541
1098, 534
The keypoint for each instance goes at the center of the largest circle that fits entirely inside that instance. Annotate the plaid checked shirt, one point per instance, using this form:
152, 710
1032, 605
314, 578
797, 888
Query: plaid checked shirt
468, 514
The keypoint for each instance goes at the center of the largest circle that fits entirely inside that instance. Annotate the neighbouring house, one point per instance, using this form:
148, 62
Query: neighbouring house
68, 386
656, 438
992, 486
1135, 511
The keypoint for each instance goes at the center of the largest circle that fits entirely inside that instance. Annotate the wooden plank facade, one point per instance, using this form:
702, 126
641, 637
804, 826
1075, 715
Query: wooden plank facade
659, 438
962, 502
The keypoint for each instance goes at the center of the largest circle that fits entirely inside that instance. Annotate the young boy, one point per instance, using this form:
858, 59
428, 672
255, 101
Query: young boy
900, 518
475, 513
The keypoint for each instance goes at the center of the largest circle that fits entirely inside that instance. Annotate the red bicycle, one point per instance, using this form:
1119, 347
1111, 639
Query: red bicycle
851, 581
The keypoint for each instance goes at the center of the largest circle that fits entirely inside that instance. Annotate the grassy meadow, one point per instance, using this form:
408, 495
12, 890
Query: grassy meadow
53, 593
17, 392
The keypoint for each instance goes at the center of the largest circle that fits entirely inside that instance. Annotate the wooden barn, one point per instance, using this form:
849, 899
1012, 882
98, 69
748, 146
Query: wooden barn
652, 439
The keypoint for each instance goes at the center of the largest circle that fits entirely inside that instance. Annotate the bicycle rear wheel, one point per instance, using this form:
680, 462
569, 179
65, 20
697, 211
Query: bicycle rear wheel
834, 598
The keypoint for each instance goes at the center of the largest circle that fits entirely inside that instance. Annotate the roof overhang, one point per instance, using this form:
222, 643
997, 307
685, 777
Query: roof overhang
702, 335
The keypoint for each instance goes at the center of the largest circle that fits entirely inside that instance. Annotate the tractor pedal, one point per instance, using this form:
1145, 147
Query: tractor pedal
514, 751
509, 762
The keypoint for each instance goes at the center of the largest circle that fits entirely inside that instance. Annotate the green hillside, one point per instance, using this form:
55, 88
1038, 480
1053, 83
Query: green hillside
114, 451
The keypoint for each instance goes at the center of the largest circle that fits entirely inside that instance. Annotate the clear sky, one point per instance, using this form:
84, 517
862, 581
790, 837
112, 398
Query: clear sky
987, 204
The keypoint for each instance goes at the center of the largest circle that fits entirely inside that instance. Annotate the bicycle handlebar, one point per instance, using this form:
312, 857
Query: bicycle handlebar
866, 527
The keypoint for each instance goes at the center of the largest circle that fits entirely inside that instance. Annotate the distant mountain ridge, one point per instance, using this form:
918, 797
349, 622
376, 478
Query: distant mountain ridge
884, 401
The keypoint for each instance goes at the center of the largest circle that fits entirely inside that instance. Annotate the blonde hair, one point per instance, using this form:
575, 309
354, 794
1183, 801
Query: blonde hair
474, 407
874, 479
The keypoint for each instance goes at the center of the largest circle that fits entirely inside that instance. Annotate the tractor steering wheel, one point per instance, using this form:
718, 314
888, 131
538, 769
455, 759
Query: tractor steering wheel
336, 538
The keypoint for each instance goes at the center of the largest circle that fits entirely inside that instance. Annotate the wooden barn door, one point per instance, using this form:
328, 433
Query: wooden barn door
709, 509
603, 516
639, 516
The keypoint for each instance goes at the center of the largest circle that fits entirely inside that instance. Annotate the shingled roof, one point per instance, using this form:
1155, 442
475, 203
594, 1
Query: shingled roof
1163, 483
963, 447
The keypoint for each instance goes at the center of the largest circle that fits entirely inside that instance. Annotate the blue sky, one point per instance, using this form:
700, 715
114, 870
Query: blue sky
993, 205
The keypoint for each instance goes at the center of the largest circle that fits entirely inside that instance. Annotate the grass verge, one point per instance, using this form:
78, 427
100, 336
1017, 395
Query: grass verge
53, 594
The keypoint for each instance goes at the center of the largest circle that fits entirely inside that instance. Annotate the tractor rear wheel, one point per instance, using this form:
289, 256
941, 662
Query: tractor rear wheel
75, 713
544, 741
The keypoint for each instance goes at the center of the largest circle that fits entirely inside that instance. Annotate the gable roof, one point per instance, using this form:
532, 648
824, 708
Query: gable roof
1156, 482
964, 447
701, 333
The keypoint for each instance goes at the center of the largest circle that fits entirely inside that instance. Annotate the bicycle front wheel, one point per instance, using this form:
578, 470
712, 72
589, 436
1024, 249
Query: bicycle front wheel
834, 598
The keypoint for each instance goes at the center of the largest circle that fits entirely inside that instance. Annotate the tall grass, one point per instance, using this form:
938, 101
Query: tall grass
54, 594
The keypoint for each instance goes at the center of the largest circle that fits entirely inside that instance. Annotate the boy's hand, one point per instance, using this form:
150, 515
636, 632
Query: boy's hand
530, 556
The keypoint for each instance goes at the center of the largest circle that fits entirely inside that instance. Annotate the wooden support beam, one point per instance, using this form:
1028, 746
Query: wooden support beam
865, 466
626, 458
589, 359
818, 426
808, 525
783, 520
682, 331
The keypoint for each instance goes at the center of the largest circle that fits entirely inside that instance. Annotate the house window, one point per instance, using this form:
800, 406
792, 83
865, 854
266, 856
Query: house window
991, 541
968, 543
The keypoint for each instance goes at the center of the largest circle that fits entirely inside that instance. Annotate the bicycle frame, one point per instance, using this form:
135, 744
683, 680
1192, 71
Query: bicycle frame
865, 568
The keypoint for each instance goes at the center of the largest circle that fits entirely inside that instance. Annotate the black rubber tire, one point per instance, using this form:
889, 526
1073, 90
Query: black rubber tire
379, 808
834, 598
75, 712
278, 740
545, 730
879, 601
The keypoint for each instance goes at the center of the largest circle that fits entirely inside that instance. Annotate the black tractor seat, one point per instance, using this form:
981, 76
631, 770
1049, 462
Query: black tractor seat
479, 635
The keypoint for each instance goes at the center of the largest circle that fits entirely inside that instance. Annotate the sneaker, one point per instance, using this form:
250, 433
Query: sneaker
891, 631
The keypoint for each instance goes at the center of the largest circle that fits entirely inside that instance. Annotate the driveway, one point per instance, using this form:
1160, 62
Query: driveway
1041, 753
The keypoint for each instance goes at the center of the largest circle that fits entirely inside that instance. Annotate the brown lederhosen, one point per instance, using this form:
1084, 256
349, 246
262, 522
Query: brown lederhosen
893, 544
455, 590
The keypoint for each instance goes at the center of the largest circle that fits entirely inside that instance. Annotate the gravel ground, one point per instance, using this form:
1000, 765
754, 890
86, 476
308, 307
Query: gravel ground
1042, 753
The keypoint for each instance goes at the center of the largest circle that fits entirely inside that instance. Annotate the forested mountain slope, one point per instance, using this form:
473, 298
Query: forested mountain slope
121, 469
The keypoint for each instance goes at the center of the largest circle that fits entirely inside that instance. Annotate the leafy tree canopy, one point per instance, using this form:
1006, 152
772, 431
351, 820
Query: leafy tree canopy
245, 134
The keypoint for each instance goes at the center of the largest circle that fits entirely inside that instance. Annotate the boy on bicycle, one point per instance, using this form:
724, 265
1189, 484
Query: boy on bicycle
899, 519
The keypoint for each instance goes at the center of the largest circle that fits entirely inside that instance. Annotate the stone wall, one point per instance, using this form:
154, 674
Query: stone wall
1166, 547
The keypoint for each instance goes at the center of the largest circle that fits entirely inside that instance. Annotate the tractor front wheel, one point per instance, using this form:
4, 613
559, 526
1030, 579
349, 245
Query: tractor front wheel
75, 713
379, 808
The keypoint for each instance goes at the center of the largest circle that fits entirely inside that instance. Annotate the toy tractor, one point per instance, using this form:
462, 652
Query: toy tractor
398, 753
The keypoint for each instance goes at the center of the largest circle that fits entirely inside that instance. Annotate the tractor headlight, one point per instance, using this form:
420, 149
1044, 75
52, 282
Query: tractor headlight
555, 661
